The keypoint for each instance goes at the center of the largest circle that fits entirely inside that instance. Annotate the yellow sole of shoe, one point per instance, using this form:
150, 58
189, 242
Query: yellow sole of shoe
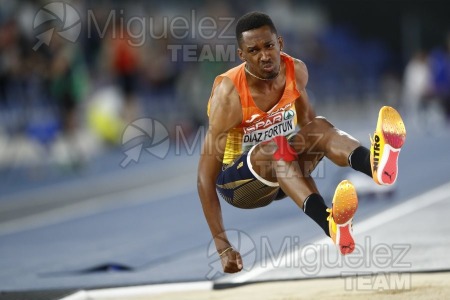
345, 202
392, 126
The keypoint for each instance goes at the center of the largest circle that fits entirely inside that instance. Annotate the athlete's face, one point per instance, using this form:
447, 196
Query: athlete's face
260, 49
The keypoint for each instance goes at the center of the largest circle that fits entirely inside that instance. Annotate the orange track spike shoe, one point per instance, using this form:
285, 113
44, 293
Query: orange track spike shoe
345, 204
388, 139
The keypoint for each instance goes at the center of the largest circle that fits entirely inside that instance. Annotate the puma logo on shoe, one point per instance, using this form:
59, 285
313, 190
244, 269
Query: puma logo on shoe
389, 175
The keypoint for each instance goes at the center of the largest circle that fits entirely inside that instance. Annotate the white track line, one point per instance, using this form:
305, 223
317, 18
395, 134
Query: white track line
414, 204
140, 291
80, 295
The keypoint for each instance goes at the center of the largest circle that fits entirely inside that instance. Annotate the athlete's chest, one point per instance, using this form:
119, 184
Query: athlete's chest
266, 100
259, 127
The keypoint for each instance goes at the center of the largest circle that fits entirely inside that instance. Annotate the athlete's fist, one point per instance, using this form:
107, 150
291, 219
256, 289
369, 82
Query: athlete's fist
231, 261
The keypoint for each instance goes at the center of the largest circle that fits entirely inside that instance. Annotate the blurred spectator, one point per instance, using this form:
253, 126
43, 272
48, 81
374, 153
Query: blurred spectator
12, 73
160, 74
417, 85
68, 86
68, 83
440, 67
115, 102
124, 60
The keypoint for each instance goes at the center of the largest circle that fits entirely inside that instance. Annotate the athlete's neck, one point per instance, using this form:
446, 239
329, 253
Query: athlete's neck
260, 78
264, 84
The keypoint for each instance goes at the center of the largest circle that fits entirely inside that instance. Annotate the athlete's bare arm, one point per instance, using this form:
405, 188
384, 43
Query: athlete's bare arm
305, 112
225, 113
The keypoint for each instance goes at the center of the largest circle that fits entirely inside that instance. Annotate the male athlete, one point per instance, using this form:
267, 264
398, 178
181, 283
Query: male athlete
253, 155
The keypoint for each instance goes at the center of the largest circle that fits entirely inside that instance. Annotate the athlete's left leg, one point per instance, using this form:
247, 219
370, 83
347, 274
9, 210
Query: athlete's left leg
388, 139
321, 138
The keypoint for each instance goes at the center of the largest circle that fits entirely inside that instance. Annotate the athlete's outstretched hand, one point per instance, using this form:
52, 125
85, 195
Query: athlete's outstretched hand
231, 261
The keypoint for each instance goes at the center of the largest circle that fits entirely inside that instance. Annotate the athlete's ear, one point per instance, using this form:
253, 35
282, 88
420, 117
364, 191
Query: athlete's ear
241, 54
280, 42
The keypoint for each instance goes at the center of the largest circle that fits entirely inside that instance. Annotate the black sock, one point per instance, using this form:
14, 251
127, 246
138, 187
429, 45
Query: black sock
359, 160
314, 206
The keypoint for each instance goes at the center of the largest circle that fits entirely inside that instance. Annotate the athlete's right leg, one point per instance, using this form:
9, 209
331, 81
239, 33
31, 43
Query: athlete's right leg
275, 162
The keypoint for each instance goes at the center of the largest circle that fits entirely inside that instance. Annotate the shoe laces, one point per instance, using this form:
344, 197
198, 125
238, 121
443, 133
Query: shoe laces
331, 220
330, 216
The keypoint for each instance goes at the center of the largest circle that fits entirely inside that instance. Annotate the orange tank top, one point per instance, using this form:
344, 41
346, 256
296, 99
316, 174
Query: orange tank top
258, 126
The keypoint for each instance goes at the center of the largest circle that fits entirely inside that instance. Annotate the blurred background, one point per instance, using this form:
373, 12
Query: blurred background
74, 75
68, 102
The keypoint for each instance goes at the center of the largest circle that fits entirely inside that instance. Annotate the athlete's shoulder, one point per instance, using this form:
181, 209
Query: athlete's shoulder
228, 85
225, 90
225, 111
299, 65
301, 73
225, 96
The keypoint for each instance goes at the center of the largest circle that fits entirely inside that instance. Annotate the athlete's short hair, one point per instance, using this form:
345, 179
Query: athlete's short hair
253, 20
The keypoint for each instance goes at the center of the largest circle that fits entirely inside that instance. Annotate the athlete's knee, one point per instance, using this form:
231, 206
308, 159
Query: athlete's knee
321, 122
318, 126
284, 151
